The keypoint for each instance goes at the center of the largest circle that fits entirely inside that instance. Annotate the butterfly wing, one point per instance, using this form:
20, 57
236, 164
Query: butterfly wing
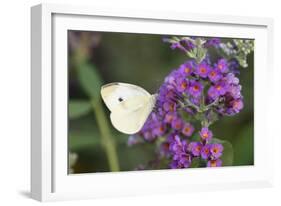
130, 106
114, 94
132, 120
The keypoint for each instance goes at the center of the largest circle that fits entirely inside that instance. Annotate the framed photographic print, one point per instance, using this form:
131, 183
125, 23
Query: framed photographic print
137, 102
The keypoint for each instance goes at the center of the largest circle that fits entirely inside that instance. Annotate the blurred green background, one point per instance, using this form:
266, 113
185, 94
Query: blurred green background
96, 58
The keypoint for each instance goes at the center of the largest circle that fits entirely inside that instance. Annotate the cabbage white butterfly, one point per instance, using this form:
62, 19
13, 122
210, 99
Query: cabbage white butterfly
130, 105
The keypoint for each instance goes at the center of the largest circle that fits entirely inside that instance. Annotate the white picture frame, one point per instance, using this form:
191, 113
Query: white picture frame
49, 177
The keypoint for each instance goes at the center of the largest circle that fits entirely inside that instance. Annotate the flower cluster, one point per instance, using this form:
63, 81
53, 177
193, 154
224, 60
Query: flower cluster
186, 44
183, 152
238, 50
193, 97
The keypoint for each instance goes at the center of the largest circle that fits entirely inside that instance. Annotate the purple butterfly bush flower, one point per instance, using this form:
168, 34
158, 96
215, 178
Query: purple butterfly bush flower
222, 65
152, 128
212, 42
231, 79
183, 161
179, 149
233, 66
187, 44
235, 91
193, 88
176, 45
174, 165
214, 163
187, 129
177, 146
159, 129
237, 105
203, 69
206, 134
221, 87
183, 45
216, 150
169, 117
170, 80
212, 93
233, 104
169, 106
187, 68
205, 152
177, 124
195, 148
214, 75
181, 84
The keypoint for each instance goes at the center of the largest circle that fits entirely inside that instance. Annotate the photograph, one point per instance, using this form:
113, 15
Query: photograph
151, 101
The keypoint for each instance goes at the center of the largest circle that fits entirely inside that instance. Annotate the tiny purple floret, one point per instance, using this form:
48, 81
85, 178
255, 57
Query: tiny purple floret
214, 163
206, 134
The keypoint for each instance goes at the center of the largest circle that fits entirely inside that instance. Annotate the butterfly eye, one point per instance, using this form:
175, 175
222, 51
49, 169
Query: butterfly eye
120, 99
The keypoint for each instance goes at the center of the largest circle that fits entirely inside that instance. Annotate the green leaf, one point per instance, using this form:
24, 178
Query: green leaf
89, 80
78, 108
198, 162
244, 146
82, 139
192, 53
83, 133
201, 54
195, 137
175, 38
228, 153
198, 42
195, 163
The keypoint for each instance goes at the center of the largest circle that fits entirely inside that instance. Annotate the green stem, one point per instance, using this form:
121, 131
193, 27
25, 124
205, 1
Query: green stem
107, 140
187, 103
214, 103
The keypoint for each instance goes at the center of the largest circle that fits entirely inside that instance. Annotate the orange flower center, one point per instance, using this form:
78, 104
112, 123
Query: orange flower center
196, 87
187, 70
220, 66
171, 107
169, 94
213, 163
187, 129
183, 85
218, 87
161, 129
213, 73
166, 145
178, 126
205, 135
203, 70
170, 118
235, 104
